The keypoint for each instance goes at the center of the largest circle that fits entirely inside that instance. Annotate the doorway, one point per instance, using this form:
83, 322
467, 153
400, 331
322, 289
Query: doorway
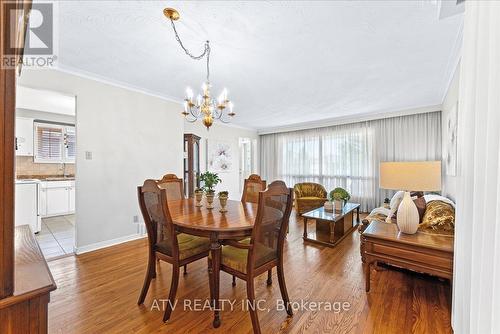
247, 159
46, 168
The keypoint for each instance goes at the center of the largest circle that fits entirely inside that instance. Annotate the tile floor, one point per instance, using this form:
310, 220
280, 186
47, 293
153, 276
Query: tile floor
57, 236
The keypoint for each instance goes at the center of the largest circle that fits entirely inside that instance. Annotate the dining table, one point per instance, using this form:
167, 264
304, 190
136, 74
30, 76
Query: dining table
234, 224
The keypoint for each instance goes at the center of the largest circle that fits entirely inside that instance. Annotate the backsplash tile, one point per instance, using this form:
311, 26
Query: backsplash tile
26, 166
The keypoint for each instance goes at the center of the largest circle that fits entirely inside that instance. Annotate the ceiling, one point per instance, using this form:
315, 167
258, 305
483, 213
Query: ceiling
283, 63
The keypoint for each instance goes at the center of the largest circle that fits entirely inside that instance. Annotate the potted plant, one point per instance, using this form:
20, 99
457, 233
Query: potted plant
210, 180
340, 196
223, 195
198, 196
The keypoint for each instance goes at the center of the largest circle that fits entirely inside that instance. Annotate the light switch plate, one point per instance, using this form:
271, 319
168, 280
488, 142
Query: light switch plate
88, 155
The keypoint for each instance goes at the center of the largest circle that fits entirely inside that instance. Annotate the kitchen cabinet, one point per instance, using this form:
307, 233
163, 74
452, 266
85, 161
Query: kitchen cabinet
57, 198
57, 201
24, 136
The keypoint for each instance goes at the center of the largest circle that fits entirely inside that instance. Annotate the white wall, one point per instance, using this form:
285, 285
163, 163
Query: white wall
132, 136
450, 101
230, 134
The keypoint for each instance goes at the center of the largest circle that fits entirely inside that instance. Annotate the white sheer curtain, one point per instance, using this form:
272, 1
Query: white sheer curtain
348, 155
476, 288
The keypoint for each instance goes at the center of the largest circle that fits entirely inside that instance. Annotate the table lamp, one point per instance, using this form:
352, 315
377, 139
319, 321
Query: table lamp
410, 176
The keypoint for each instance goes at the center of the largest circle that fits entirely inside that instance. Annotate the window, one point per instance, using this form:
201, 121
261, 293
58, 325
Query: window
341, 158
70, 143
54, 143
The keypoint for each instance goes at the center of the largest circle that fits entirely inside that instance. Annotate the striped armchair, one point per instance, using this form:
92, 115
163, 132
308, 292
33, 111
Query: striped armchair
309, 196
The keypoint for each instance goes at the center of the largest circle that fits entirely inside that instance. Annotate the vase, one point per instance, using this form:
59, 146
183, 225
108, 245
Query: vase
407, 217
339, 205
198, 196
328, 206
223, 203
210, 200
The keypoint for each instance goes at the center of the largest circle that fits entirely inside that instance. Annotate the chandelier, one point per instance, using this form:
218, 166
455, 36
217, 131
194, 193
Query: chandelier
204, 106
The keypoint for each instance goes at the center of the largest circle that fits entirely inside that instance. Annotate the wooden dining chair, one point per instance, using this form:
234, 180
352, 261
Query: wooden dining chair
173, 185
178, 249
252, 257
175, 191
251, 188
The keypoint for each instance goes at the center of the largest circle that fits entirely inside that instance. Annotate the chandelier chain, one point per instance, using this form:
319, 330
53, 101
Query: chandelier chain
206, 51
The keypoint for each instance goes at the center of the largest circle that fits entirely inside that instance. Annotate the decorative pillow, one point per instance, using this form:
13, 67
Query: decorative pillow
396, 200
417, 194
420, 203
439, 218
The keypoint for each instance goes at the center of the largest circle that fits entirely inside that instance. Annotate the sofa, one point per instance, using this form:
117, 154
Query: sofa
309, 196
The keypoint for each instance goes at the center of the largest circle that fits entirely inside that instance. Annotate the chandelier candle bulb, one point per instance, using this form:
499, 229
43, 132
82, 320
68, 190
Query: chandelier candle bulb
189, 93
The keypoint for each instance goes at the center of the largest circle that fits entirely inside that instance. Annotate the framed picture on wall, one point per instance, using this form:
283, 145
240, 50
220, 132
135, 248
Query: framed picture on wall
219, 156
450, 153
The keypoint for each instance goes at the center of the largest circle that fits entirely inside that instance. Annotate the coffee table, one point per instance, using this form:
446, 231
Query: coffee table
331, 227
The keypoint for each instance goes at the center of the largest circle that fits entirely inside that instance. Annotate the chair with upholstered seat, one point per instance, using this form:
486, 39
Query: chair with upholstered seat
309, 196
251, 188
252, 257
175, 248
175, 192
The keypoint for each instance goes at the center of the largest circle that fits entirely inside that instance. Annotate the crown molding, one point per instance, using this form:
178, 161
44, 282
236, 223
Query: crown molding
349, 119
112, 82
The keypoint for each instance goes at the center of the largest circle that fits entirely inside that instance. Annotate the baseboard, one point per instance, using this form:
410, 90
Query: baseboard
108, 243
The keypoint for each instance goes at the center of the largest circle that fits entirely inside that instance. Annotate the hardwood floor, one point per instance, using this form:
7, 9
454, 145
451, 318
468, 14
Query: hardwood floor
97, 293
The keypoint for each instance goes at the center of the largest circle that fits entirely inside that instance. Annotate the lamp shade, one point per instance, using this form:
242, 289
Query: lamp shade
415, 175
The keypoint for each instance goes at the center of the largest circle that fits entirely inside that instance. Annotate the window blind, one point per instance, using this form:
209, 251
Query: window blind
70, 143
54, 143
48, 142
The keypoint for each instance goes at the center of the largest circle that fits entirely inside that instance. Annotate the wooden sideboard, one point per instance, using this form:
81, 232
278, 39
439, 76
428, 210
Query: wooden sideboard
25, 311
420, 252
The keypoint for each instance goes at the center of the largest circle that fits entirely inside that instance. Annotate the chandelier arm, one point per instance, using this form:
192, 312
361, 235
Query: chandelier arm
198, 113
190, 121
223, 121
217, 113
